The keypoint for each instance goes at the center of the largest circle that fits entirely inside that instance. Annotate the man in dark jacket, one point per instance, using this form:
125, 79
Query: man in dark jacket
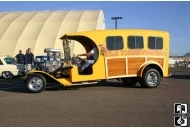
20, 58
29, 60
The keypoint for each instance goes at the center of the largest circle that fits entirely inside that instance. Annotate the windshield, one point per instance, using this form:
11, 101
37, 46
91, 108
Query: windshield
40, 59
10, 61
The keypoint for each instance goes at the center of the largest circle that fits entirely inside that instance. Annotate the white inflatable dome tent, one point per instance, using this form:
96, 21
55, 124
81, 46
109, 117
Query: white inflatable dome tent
40, 30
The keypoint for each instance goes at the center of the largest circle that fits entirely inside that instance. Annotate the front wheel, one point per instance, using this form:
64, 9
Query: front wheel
35, 83
151, 78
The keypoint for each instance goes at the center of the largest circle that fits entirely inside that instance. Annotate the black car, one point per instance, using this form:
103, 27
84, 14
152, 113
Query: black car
39, 60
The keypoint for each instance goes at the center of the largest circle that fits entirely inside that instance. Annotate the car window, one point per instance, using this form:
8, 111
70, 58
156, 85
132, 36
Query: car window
10, 61
114, 43
155, 42
135, 42
38, 59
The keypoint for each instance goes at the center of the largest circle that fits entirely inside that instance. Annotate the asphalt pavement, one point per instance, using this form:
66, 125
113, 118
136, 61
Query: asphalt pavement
108, 104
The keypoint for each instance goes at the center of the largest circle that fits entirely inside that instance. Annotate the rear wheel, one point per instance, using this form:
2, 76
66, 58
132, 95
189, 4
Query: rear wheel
130, 81
151, 78
35, 83
7, 75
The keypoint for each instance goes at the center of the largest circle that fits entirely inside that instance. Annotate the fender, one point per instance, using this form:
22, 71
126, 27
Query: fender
63, 81
144, 65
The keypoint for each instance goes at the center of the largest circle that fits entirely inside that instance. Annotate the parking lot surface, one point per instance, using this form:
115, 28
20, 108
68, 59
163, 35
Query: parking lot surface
108, 104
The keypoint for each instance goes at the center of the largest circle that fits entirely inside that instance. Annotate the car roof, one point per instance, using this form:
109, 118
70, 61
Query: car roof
112, 31
40, 56
5, 56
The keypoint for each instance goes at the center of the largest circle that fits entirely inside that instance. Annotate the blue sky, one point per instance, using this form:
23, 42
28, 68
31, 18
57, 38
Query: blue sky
173, 17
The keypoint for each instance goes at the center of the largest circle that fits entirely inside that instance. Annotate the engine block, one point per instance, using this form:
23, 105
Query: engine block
53, 61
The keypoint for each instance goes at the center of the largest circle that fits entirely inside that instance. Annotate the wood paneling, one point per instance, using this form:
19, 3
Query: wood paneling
134, 64
116, 60
159, 60
117, 72
116, 67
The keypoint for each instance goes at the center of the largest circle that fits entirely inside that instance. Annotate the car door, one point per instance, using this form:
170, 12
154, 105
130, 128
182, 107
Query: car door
12, 66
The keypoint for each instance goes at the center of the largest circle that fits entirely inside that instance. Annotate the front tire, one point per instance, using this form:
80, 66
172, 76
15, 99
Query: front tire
151, 78
35, 83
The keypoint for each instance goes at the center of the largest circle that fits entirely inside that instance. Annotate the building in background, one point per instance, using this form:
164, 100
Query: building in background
174, 59
40, 30
179, 61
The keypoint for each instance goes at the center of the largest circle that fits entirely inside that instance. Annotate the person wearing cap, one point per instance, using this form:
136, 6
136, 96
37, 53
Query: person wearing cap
20, 57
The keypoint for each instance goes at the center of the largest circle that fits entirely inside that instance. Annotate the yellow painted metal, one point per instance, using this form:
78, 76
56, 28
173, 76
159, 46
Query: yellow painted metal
99, 67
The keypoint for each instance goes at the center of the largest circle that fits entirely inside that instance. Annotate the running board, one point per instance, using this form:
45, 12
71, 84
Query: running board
82, 83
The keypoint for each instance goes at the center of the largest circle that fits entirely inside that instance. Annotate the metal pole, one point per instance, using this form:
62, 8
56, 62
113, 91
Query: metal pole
115, 23
116, 18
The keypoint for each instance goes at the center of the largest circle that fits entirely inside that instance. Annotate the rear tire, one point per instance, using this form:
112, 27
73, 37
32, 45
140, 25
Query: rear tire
35, 83
7, 75
130, 81
151, 78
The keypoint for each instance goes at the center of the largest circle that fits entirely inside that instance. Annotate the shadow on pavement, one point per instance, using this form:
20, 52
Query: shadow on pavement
100, 84
180, 76
22, 89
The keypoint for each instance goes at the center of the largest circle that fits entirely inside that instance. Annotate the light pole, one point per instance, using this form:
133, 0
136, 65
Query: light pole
116, 18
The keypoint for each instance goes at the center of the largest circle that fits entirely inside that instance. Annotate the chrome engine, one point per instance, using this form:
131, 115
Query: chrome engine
54, 64
53, 61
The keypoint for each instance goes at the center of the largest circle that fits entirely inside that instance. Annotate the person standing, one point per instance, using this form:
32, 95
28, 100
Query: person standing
20, 57
29, 60
26, 60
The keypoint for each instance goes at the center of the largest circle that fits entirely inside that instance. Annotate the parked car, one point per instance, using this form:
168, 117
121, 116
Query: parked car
39, 60
9, 67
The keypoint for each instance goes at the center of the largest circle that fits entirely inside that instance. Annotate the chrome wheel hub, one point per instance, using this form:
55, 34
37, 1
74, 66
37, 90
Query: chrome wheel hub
6, 75
35, 83
152, 78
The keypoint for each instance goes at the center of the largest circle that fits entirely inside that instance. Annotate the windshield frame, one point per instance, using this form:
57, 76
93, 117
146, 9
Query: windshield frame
66, 48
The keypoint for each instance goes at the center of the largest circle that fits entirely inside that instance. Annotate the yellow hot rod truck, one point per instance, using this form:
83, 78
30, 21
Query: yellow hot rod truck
130, 55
